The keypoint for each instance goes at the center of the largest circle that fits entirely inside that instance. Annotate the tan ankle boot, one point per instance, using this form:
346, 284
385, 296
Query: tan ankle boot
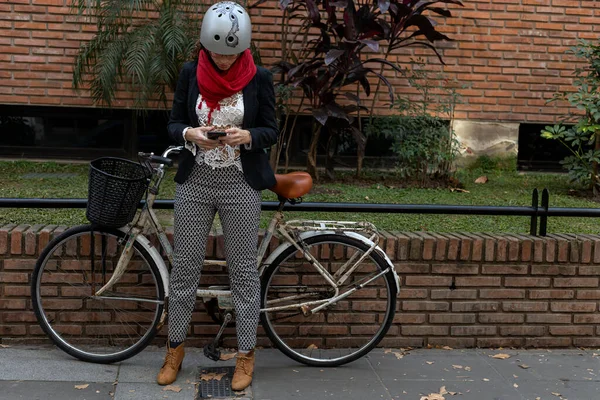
172, 365
244, 368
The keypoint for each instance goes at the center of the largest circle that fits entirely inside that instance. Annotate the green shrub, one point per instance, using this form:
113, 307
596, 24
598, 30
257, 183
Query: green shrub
486, 163
422, 137
583, 138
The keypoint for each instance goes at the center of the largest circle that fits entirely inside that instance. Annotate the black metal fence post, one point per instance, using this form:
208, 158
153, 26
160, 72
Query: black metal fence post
544, 215
534, 205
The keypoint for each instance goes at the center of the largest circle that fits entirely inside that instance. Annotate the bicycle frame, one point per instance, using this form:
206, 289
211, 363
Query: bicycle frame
148, 222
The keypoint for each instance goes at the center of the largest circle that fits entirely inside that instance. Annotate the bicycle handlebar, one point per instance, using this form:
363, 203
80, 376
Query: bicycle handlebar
164, 159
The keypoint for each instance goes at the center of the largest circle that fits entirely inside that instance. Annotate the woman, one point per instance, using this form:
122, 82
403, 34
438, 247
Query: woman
222, 91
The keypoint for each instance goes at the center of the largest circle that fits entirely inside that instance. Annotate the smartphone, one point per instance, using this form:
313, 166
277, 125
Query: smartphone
214, 135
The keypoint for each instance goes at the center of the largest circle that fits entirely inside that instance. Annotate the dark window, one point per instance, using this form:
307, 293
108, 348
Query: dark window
80, 133
537, 153
77, 133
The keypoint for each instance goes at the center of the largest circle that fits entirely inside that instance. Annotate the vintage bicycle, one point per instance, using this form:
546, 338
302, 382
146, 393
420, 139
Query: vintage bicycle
100, 291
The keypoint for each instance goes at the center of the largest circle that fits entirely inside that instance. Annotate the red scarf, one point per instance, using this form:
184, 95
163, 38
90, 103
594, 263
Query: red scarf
215, 85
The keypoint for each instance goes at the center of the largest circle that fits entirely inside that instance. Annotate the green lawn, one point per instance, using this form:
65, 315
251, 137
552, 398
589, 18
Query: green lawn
503, 188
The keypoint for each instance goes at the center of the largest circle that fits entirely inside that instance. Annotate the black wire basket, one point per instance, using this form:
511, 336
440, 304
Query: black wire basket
115, 189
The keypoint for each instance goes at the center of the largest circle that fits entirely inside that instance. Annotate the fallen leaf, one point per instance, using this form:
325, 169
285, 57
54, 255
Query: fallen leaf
312, 347
467, 368
398, 355
79, 387
481, 179
447, 348
443, 390
515, 385
132, 391
429, 362
556, 394
459, 190
486, 379
173, 388
524, 366
212, 375
227, 356
501, 356
4, 346
457, 366
433, 396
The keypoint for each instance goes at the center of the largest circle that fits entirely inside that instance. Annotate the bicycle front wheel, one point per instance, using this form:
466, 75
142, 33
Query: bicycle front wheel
341, 332
105, 328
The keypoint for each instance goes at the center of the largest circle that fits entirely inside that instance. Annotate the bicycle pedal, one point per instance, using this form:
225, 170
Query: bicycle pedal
212, 352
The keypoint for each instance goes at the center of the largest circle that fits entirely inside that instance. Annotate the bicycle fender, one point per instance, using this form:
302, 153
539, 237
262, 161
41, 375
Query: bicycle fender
162, 268
304, 235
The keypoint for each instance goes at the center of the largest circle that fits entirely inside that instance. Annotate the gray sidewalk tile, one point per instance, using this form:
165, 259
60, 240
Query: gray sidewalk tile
272, 364
418, 365
414, 390
316, 389
152, 391
41, 390
51, 365
558, 390
47, 373
548, 367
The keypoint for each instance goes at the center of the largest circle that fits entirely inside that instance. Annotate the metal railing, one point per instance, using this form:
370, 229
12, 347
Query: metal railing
535, 211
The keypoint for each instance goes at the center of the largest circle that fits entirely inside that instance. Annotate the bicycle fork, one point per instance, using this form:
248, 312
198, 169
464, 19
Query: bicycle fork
122, 264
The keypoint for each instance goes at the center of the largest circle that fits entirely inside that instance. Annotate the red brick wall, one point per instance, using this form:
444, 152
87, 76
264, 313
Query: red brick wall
510, 290
510, 54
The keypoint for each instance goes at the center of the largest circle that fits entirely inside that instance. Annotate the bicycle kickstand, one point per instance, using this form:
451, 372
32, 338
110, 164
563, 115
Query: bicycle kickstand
211, 350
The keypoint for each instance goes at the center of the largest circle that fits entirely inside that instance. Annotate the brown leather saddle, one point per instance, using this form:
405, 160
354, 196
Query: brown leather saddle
292, 185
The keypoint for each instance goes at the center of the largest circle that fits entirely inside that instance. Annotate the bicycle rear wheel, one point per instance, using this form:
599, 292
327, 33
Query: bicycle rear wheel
343, 331
103, 329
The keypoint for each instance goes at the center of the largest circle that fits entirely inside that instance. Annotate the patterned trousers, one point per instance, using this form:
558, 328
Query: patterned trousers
206, 191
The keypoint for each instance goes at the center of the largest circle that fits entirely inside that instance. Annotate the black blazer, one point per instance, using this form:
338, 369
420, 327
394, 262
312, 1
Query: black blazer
259, 119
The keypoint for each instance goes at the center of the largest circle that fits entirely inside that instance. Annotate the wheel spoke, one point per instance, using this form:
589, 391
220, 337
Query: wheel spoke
347, 328
106, 328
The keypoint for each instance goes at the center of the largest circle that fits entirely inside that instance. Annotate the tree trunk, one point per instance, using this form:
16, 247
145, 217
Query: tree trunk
359, 155
595, 182
361, 143
330, 151
311, 160
273, 156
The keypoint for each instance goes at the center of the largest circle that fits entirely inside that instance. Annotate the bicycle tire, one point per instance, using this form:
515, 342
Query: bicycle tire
58, 255
296, 354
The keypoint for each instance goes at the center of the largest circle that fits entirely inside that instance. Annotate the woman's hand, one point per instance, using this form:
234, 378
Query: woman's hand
236, 136
198, 136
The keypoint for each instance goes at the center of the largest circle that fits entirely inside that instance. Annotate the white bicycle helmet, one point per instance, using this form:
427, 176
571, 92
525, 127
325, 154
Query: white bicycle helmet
226, 28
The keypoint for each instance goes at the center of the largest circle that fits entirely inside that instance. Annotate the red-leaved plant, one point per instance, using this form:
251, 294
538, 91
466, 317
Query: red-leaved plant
331, 68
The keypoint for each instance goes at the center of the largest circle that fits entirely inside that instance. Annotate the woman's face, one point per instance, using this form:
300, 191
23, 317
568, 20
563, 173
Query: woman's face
223, 62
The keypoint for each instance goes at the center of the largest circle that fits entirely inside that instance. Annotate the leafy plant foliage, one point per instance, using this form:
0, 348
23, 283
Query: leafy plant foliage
329, 67
139, 43
582, 139
421, 133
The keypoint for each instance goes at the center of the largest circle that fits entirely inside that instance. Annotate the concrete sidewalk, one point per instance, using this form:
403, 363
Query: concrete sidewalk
49, 374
